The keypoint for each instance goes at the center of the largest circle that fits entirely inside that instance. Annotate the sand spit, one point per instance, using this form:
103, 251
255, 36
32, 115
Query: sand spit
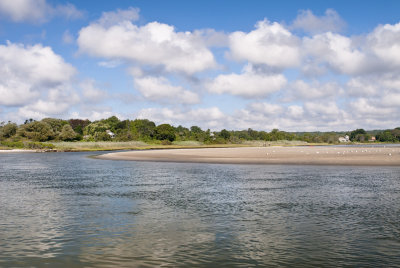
326, 155
17, 151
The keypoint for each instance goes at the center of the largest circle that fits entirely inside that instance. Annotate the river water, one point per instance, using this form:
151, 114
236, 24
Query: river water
69, 210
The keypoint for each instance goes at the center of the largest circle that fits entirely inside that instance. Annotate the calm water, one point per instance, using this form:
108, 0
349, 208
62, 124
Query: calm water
68, 210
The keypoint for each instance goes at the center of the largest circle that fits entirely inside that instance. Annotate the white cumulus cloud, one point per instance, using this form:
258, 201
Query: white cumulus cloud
36, 11
384, 42
211, 117
249, 84
270, 43
295, 111
154, 44
56, 103
28, 71
323, 110
266, 108
364, 108
336, 51
160, 89
302, 90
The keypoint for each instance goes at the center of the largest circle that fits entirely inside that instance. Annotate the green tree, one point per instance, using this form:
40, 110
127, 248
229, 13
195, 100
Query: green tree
358, 135
8, 130
196, 133
78, 125
112, 122
55, 124
36, 131
182, 133
124, 135
165, 132
396, 134
253, 134
94, 127
242, 134
30, 120
67, 133
276, 135
207, 136
143, 129
102, 136
385, 136
195, 129
122, 125
225, 134
96, 130
262, 135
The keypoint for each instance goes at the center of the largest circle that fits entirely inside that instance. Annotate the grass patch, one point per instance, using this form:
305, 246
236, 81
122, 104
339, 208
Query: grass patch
140, 145
98, 146
26, 145
133, 145
13, 144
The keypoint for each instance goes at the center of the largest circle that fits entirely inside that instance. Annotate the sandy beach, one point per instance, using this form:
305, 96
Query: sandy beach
326, 155
17, 151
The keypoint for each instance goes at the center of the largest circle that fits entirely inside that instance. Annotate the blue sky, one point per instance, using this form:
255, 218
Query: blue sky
292, 65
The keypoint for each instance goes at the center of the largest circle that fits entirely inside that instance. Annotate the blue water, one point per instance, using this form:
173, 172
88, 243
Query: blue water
69, 210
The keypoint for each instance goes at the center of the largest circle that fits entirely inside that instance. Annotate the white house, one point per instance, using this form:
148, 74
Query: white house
112, 135
344, 139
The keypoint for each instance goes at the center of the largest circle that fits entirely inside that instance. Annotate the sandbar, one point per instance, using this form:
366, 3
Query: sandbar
296, 155
18, 151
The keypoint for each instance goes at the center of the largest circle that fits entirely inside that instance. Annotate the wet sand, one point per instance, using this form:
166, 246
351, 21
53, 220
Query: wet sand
327, 155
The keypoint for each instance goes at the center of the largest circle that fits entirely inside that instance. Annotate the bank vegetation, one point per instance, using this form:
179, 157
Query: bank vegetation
115, 134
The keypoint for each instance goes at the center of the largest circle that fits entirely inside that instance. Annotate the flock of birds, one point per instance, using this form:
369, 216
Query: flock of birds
344, 151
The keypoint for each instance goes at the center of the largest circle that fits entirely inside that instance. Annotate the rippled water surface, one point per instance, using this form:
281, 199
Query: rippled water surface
68, 210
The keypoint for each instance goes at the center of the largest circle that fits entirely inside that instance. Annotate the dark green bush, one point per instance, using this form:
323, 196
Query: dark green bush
166, 142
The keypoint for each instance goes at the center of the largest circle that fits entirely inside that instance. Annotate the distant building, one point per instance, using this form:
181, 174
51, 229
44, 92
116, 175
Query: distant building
344, 139
373, 138
111, 134
212, 136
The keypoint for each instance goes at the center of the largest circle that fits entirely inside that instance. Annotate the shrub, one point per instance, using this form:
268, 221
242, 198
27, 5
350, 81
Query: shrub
27, 145
166, 142
39, 145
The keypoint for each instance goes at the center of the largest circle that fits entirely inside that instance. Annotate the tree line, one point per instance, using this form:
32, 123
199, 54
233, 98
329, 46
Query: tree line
114, 129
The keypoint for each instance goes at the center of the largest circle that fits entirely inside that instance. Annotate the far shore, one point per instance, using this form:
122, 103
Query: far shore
295, 155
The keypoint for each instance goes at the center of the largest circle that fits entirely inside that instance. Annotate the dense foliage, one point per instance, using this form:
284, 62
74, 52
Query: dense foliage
389, 135
113, 129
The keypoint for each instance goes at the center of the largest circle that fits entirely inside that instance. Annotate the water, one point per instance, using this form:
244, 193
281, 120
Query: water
68, 210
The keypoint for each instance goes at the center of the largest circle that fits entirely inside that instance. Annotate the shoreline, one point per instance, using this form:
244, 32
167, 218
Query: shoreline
296, 155
17, 151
